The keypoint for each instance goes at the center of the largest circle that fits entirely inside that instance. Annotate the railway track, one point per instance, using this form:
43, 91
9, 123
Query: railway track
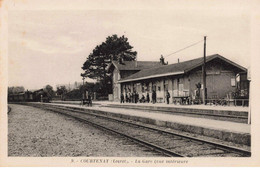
165, 142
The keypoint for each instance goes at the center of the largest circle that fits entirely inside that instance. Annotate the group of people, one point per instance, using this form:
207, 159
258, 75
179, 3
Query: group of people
130, 97
134, 97
87, 99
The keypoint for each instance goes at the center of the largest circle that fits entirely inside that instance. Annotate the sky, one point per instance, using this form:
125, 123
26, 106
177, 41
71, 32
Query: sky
50, 46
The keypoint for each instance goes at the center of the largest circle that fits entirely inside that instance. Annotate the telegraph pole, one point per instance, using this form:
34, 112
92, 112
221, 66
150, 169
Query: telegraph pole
83, 88
204, 74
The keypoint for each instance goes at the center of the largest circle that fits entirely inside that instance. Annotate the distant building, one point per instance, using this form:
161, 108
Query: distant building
183, 79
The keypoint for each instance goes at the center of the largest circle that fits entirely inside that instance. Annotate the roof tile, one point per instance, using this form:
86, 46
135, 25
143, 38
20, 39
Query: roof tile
173, 68
131, 65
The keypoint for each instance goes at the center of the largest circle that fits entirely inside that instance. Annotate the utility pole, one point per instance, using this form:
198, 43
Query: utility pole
250, 98
83, 95
204, 74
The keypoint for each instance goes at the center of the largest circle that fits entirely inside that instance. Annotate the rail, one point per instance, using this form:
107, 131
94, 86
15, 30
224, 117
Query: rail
133, 131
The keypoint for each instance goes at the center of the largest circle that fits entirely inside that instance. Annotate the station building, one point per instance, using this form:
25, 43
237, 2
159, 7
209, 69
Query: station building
123, 69
181, 80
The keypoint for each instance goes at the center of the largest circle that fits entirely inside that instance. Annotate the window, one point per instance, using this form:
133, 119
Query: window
143, 88
154, 87
139, 87
166, 87
159, 84
150, 87
233, 81
180, 87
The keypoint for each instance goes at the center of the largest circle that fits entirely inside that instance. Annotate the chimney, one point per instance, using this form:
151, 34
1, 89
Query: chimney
178, 60
162, 61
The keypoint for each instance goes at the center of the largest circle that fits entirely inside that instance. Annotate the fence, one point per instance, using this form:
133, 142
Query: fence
222, 102
229, 102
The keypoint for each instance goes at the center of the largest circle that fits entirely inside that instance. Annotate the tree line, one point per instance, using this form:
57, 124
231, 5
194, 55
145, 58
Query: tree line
20, 89
62, 92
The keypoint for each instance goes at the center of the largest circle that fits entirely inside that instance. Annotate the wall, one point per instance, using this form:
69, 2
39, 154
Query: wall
117, 87
218, 79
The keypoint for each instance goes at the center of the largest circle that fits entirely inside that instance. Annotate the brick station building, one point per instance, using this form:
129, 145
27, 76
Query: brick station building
182, 80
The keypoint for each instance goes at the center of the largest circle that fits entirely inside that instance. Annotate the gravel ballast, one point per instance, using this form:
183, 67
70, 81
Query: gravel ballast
39, 133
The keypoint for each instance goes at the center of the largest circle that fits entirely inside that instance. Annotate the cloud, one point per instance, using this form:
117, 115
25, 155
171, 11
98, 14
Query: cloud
44, 34
69, 44
57, 45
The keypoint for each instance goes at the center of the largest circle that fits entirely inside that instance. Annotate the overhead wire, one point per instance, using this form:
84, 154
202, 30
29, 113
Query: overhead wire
184, 48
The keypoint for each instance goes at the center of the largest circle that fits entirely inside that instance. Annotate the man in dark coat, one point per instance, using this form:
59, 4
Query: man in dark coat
154, 97
126, 98
167, 96
133, 97
122, 100
89, 100
142, 99
148, 97
136, 97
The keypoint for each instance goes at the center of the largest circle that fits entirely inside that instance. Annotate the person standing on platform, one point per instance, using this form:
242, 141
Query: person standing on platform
148, 97
122, 98
167, 96
129, 97
136, 97
89, 100
126, 98
142, 99
154, 97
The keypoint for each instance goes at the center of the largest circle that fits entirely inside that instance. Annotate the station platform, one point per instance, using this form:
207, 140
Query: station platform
228, 113
204, 107
224, 130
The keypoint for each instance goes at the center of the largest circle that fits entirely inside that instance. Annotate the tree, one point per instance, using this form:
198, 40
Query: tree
48, 89
61, 91
15, 89
114, 48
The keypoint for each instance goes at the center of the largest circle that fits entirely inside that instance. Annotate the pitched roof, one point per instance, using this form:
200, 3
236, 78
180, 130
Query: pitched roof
174, 69
131, 65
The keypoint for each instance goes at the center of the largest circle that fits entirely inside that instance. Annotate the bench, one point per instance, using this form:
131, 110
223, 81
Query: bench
159, 100
181, 100
86, 101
